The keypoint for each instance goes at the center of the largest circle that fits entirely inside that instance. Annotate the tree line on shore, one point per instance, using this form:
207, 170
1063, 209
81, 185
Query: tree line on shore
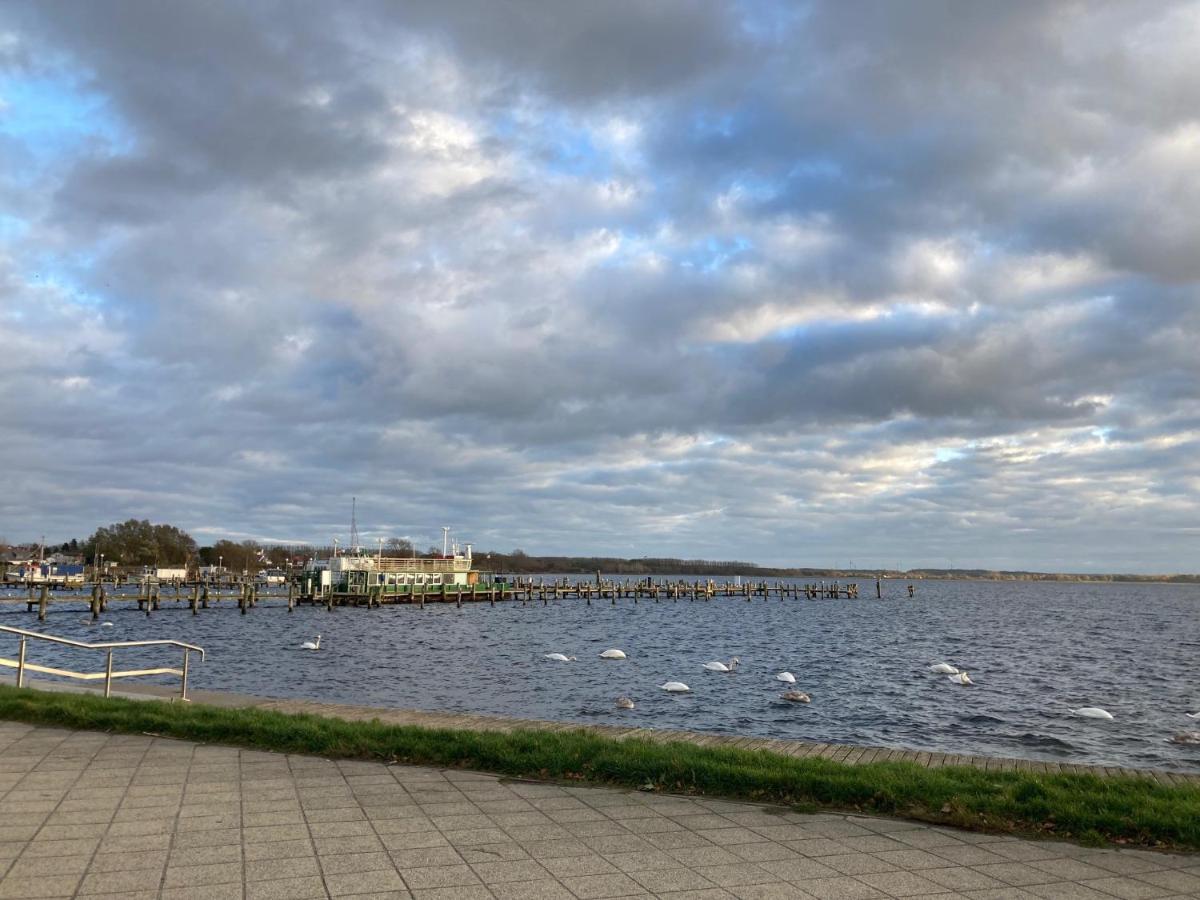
139, 543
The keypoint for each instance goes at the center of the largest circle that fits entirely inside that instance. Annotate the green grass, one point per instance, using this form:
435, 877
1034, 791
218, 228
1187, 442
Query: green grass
1132, 811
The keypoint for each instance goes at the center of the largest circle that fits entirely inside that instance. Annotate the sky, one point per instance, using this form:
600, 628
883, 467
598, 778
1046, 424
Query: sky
883, 284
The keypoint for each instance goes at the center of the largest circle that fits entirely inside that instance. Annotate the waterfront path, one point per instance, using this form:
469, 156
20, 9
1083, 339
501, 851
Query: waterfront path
84, 814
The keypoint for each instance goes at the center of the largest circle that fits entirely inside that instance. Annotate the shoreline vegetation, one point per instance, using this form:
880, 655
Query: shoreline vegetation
1130, 811
519, 563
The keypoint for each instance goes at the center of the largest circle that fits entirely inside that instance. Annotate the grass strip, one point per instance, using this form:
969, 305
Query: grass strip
1123, 810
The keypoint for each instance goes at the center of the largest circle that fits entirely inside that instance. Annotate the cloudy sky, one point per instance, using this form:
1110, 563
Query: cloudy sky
797, 283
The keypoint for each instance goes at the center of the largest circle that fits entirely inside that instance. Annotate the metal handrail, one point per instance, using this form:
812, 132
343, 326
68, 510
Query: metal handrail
108, 674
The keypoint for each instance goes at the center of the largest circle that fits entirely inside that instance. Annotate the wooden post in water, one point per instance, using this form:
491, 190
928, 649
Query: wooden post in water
103, 598
878, 589
43, 602
194, 602
291, 597
204, 596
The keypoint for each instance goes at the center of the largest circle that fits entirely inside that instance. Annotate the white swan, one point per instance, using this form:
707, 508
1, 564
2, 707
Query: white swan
961, 678
795, 696
624, 703
309, 645
1092, 712
106, 624
786, 677
559, 657
1195, 715
612, 654
675, 687
722, 667
943, 669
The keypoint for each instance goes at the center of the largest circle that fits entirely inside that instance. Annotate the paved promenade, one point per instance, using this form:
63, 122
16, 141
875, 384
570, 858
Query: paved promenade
136, 816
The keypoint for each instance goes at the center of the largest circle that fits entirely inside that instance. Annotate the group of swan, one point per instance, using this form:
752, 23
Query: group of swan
679, 687
1086, 712
956, 675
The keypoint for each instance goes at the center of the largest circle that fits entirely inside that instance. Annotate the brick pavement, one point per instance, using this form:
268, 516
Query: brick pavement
84, 814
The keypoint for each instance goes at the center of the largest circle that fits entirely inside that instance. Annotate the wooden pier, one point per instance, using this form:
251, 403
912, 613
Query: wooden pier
247, 595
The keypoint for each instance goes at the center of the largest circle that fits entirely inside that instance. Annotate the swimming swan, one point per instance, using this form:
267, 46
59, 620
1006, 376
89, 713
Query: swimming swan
786, 677
309, 645
675, 687
1092, 712
961, 678
612, 654
1187, 737
624, 703
795, 696
1195, 715
106, 624
722, 667
943, 669
559, 657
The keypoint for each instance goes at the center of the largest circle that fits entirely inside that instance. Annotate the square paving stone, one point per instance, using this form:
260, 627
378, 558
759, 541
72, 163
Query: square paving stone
268, 869
438, 876
364, 882
798, 869
216, 873
278, 850
663, 881
961, 878
736, 875
31, 867
643, 861
546, 889
775, 890
286, 889
346, 863
1016, 874
569, 866
41, 886
901, 884
513, 870
595, 887
126, 880
841, 888
186, 855
418, 857
462, 892
860, 864
1128, 888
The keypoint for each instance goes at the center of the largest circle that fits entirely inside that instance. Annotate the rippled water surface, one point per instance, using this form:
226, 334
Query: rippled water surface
1034, 650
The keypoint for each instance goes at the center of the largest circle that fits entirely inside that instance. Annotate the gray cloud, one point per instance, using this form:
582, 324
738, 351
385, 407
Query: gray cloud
796, 284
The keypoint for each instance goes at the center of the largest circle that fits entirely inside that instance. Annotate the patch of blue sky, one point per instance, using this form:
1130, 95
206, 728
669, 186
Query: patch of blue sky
816, 168
54, 118
558, 143
947, 454
901, 326
12, 227
713, 253
713, 123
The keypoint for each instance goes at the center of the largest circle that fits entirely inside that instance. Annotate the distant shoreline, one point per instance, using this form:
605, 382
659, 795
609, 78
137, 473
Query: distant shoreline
525, 564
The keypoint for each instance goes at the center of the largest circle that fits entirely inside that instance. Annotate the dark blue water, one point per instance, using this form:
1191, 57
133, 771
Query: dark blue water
1034, 650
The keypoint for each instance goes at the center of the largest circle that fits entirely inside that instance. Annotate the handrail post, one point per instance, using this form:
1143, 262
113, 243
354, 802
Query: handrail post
108, 676
183, 693
21, 663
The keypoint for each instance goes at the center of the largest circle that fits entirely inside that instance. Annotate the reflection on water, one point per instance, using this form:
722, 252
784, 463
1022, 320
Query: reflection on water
1034, 650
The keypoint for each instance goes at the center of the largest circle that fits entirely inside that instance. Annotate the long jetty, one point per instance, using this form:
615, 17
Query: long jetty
246, 595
